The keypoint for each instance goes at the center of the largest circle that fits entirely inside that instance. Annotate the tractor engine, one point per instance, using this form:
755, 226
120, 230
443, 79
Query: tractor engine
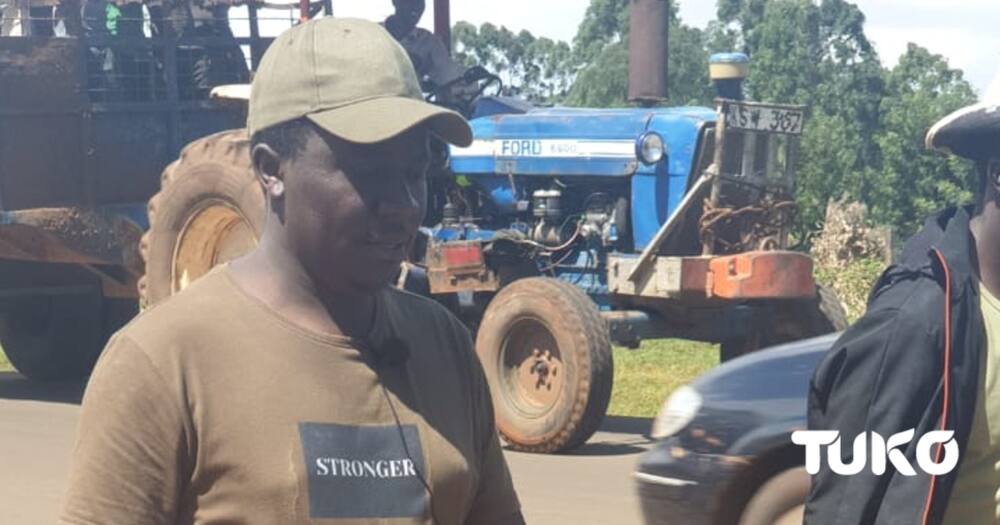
548, 214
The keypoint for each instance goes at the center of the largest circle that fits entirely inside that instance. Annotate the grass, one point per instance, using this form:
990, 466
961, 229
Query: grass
644, 377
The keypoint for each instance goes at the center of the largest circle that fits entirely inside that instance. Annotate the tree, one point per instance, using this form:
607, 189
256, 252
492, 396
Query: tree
863, 139
601, 48
538, 69
817, 55
910, 182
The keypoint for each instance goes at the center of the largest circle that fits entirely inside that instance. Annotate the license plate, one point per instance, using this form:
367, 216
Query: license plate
761, 117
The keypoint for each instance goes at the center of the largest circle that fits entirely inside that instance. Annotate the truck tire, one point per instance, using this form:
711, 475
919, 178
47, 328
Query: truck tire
56, 337
210, 209
546, 353
780, 501
791, 321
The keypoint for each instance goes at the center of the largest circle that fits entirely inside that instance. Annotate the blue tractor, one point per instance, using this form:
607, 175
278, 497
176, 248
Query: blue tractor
556, 234
560, 232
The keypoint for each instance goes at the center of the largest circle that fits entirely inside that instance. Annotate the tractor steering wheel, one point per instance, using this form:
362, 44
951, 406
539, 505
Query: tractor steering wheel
462, 100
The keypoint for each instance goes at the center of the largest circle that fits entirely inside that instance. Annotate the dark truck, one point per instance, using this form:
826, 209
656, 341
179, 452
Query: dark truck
88, 123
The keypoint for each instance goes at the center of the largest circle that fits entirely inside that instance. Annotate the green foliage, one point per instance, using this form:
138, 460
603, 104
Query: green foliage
851, 283
863, 139
537, 69
601, 47
920, 90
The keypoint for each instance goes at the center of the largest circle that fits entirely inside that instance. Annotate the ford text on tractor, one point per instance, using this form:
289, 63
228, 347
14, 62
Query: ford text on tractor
557, 233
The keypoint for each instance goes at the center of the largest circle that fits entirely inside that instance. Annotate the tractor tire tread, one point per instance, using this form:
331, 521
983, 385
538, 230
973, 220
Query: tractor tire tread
230, 147
595, 372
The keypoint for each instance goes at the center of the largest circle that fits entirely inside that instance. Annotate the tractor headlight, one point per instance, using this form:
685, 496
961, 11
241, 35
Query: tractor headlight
677, 412
649, 148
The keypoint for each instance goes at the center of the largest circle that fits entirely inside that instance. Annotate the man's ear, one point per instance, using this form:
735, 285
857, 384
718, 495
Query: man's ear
267, 167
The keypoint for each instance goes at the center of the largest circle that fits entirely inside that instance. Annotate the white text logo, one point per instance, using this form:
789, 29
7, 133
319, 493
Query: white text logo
882, 450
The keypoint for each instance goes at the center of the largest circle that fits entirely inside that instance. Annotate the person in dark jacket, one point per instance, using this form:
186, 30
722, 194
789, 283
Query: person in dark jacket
925, 356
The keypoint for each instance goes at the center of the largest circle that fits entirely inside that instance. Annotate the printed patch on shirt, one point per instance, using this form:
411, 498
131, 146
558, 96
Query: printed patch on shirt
363, 471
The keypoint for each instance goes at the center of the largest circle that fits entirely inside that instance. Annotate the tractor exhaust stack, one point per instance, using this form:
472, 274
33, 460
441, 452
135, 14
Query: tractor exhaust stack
647, 51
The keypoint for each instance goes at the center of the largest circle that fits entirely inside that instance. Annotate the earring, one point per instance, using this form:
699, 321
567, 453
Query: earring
277, 188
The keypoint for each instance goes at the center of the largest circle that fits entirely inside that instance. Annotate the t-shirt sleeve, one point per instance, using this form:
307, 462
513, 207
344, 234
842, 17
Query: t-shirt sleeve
132, 440
495, 501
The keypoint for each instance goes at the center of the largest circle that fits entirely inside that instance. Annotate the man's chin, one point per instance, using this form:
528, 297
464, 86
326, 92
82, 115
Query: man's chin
380, 274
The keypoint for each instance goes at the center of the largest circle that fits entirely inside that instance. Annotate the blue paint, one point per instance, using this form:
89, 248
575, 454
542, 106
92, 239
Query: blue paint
655, 190
463, 232
500, 190
515, 137
511, 156
728, 58
587, 272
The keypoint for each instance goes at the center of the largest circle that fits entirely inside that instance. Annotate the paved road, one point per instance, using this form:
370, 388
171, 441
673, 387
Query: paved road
38, 422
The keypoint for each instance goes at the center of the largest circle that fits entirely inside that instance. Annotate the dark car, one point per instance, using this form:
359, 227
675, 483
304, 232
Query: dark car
724, 453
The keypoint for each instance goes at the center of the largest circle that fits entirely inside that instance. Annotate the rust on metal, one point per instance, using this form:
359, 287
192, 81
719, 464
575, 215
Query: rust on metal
90, 238
459, 266
647, 71
70, 235
534, 365
758, 226
762, 275
752, 275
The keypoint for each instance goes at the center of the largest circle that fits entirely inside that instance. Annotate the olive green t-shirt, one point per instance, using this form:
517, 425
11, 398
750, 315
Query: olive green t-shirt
975, 497
212, 408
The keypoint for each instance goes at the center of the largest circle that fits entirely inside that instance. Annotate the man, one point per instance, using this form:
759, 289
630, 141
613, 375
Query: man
37, 13
428, 53
925, 356
293, 385
200, 65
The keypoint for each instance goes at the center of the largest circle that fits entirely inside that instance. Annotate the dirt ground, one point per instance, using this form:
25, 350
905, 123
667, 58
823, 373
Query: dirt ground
38, 422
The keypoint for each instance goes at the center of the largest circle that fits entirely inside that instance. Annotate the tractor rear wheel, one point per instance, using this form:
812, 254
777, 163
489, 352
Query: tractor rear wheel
55, 337
791, 321
210, 209
547, 357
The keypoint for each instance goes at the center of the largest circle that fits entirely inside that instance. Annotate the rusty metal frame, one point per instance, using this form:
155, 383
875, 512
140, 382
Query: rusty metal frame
445, 278
752, 275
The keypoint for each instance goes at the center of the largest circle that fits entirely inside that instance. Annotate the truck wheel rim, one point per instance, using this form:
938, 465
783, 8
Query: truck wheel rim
532, 368
216, 233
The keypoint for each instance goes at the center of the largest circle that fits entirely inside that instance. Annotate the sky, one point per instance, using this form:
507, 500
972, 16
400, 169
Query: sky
964, 31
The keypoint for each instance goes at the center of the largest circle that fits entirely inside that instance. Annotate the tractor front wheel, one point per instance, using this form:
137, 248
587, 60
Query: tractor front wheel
547, 357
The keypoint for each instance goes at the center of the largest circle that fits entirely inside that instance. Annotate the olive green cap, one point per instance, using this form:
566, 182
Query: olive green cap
351, 78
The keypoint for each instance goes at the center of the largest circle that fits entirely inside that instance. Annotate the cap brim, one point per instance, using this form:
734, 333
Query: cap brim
972, 132
383, 118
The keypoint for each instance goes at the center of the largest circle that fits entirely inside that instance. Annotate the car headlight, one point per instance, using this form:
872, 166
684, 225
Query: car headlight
677, 412
650, 148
